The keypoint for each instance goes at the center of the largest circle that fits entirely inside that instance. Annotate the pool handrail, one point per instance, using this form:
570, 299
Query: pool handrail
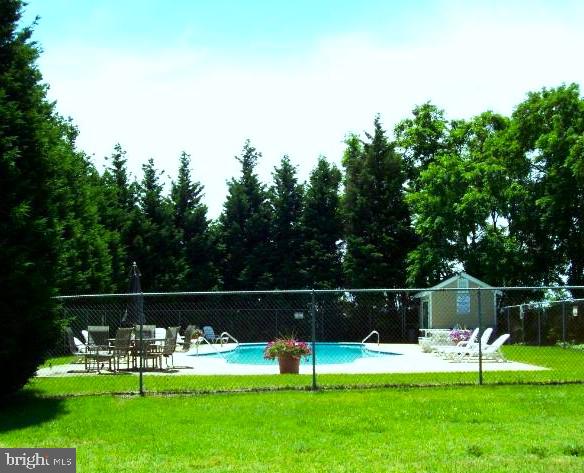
227, 335
212, 345
373, 332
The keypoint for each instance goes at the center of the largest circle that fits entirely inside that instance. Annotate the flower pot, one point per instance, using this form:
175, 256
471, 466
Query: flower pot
289, 364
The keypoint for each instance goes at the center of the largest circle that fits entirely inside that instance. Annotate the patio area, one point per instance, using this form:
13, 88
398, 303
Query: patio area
409, 358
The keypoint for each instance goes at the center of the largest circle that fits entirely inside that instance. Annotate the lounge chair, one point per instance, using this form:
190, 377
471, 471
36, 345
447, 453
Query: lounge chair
457, 353
447, 351
488, 352
209, 335
76, 347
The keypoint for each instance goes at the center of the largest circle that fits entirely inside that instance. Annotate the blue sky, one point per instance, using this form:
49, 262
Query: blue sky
294, 77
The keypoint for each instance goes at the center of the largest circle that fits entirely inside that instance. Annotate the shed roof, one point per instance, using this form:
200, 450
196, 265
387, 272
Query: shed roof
451, 279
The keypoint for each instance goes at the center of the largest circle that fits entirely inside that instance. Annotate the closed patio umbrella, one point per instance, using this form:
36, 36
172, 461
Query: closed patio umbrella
134, 313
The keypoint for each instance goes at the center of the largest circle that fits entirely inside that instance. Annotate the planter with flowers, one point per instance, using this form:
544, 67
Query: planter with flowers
288, 351
459, 335
197, 333
196, 338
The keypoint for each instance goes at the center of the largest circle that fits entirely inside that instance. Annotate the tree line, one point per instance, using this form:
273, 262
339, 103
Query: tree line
498, 197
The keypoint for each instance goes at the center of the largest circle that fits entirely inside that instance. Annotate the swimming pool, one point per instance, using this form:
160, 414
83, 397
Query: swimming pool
326, 354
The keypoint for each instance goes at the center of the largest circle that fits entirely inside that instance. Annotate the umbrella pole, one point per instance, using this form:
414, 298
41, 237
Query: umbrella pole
141, 357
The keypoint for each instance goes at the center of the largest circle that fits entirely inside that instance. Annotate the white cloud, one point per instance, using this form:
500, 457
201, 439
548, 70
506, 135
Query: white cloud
159, 103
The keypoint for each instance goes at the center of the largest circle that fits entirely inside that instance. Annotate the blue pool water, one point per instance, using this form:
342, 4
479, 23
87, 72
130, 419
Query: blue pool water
326, 354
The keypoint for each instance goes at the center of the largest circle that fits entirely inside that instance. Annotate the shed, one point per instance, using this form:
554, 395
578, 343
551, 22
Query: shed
454, 302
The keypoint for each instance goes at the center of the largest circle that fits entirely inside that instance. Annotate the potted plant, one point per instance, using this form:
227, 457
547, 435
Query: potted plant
288, 350
457, 335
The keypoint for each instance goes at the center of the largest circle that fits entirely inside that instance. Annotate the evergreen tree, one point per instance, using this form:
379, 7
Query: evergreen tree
379, 234
119, 214
286, 201
322, 228
84, 262
29, 138
157, 248
244, 229
190, 220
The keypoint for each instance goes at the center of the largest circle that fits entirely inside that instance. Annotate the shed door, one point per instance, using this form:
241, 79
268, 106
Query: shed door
425, 314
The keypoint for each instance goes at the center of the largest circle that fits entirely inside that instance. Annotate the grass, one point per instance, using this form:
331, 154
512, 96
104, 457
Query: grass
565, 365
446, 429
57, 360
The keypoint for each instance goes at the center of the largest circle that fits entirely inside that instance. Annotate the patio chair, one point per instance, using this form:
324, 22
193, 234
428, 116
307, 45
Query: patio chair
169, 346
85, 336
159, 333
209, 335
122, 347
99, 353
148, 331
98, 335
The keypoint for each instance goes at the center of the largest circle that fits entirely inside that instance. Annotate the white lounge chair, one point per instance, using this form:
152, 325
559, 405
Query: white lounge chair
490, 352
457, 353
447, 351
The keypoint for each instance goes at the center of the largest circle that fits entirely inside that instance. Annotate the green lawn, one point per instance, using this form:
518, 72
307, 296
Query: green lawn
446, 429
565, 365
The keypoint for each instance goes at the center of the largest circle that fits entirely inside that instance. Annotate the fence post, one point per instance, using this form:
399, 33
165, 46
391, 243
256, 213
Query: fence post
313, 323
480, 337
141, 354
564, 324
140, 306
539, 326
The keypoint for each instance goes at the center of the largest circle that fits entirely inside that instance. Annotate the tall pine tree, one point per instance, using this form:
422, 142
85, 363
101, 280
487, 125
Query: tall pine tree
162, 264
84, 262
244, 229
379, 233
29, 139
190, 220
286, 200
322, 228
119, 214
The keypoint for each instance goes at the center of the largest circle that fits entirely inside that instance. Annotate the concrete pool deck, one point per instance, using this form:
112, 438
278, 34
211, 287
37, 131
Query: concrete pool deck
409, 359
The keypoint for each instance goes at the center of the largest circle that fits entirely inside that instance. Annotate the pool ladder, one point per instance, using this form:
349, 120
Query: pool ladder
227, 336
223, 336
374, 332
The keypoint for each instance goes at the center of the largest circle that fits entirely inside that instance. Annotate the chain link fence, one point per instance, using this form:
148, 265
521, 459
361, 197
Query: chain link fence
215, 342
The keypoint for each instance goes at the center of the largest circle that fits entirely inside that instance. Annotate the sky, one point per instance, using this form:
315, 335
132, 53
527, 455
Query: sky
295, 78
